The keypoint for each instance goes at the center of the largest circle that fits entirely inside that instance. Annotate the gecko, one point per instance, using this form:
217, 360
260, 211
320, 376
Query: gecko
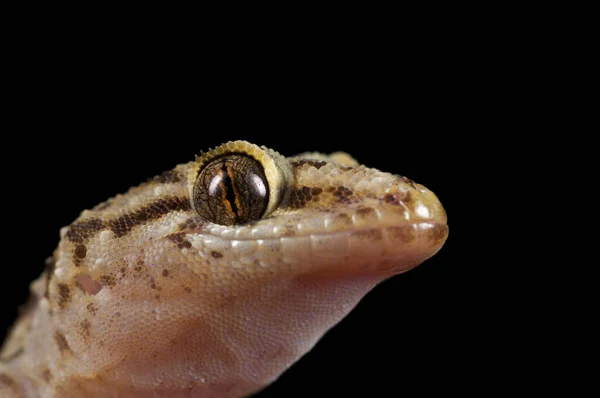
213, 278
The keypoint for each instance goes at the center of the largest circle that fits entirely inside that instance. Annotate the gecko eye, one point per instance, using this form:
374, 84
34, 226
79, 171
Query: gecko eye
231, 190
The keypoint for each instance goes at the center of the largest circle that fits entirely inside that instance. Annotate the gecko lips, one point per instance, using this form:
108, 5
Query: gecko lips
386, 238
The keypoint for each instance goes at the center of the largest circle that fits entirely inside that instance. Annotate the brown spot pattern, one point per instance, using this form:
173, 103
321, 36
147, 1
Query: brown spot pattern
108, 280
438, 233
369, 234
344, 194
91, 308
6, 380
165, 273
216, 254
366, 212
189, 224
64, 295
316, 163
405, 234
153, 211
46, 375
343, 218
61, 342
181, 242
80, 251
84, 329
81, 231
302, 195
392, 199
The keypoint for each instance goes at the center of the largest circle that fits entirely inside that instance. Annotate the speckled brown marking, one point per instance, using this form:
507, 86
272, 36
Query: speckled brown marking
81, 231
165, 273
316, 163
343, 218
91, 308
6, 379
84, 329
185, 245
343, 194
108, 280
138, 268
437, 234
177, 237
46, 375
181, 242
189, 224
289, 231
344, 190
299, 197
370, 234
153, 211
295, 200
406, 234
216, 254
168, 177
80, 251
316, 191
64, 295
187, 289
392, 199
365, 211
61, 342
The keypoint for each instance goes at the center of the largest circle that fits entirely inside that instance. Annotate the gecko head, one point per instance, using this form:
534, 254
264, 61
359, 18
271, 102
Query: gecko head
286, 247
224, 271
313, 213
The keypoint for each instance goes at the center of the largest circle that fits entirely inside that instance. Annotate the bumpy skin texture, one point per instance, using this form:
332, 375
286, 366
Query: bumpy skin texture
143, 297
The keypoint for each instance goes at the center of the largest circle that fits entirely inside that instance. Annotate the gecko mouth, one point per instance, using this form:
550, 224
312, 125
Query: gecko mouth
394, 247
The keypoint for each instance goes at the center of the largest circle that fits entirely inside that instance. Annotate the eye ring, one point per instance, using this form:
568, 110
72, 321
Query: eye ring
238, 182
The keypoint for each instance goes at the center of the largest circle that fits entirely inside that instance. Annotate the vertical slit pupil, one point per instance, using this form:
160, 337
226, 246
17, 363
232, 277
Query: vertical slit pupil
229, 191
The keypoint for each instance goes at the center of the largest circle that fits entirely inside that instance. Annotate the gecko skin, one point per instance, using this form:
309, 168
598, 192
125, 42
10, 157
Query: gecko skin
211, 279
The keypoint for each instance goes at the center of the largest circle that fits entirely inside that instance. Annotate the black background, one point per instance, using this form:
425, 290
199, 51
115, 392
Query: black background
81, 131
